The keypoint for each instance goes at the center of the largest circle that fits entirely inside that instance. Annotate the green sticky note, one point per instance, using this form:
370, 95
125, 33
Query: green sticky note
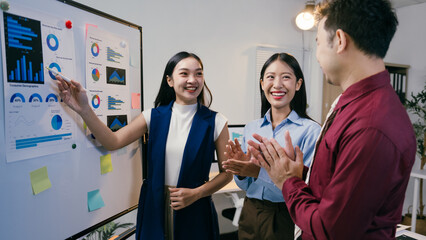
94, 200
106, 165
40, 180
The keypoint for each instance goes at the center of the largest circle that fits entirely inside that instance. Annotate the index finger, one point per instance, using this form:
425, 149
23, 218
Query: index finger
238, 145
253, 144
257, 137
288, 145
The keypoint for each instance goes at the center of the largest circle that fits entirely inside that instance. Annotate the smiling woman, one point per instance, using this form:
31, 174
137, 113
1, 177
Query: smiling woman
187, 80
283, 97
177, 187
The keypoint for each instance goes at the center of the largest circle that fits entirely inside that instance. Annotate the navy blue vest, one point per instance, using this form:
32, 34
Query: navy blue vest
198, 220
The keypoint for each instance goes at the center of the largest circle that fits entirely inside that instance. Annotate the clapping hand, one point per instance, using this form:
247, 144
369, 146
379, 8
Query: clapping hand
238, 162
280, 163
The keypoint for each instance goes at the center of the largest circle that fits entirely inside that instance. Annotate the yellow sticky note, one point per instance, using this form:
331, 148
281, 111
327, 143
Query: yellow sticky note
136, 100
40, 180
106, 165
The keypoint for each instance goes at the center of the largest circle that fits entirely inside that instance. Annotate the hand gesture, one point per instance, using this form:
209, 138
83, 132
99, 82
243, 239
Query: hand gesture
73, 94
280, 163
238, 162
182, 197
234, 151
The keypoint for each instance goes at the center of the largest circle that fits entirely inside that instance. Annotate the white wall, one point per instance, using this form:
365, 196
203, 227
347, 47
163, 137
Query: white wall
409, 47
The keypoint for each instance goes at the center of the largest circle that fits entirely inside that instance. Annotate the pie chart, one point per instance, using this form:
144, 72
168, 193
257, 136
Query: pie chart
95, 49
52, 42
95, 74
96, 101
56, 122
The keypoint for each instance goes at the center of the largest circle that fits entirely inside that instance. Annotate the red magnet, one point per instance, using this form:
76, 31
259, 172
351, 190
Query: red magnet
68, 24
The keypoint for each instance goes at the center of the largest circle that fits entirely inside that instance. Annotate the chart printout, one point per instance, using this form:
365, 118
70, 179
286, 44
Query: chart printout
107, 66
37, 122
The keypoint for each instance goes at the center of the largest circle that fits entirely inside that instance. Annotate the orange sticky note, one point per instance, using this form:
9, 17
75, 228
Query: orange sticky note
136, 100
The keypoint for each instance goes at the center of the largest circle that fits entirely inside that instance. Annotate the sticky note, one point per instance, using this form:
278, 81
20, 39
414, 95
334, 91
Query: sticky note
136, 100
106, 165
88, 25
94, 200
40, 180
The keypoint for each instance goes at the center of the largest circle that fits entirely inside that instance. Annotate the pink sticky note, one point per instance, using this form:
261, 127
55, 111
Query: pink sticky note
87, 26
136, 100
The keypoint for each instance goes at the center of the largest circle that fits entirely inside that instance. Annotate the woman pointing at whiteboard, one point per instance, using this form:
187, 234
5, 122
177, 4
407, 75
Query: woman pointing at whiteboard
175, 200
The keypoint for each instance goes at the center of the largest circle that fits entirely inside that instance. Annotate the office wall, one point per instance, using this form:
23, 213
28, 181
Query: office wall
409, 47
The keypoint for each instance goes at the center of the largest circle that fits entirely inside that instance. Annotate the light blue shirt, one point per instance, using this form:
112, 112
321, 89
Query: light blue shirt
303, 132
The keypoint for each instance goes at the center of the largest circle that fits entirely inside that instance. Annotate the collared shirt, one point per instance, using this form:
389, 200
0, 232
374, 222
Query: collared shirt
360, 170
303, 132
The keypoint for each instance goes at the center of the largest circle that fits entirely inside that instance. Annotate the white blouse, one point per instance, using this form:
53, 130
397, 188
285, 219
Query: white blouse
180, 124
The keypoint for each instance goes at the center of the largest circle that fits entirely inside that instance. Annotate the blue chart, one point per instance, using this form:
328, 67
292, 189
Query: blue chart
17, 98
35, 97
113, 56
114, 104
52, 42
116, 122
24, 57
51, 98
56, 122
33, 142
54, 66
116, 76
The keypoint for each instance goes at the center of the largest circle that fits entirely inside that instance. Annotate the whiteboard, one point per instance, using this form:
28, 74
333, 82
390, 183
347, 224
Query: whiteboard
73, 165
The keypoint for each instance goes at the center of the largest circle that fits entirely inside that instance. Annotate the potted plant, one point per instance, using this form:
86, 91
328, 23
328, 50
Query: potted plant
107, 231
417, 107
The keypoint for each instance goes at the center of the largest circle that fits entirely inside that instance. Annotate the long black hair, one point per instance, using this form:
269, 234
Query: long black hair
299, 102
166, 94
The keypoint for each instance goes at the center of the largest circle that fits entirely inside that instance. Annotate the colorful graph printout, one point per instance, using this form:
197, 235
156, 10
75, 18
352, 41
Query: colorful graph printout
37, 122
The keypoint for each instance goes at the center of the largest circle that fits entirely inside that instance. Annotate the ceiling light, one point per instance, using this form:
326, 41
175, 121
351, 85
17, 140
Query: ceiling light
305, 20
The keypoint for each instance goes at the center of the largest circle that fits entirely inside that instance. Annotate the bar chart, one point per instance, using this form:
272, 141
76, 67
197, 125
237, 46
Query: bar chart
114, 103
23, 49
113, 56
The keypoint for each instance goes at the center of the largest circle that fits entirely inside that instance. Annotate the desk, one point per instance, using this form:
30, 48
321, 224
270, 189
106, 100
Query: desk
417, 174
230, 190
406, 233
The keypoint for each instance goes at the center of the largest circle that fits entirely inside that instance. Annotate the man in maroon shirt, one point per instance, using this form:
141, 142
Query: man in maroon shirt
362, 163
